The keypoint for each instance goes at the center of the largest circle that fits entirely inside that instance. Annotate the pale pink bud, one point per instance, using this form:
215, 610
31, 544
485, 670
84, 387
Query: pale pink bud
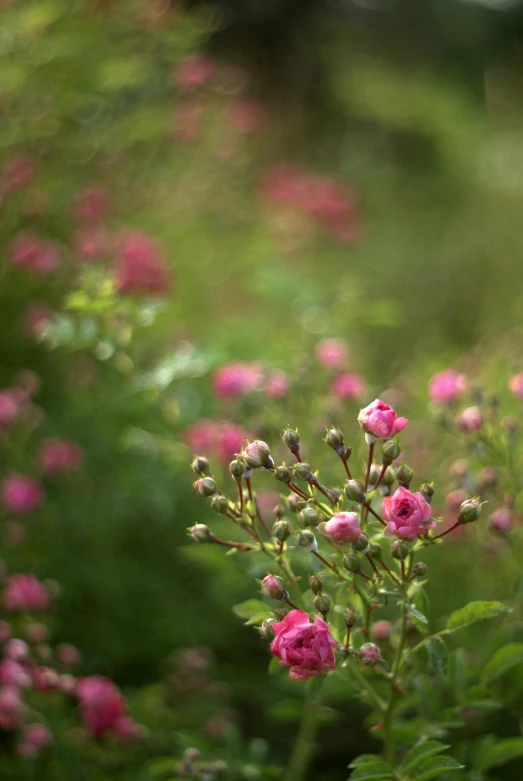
16, 649
332, 353
35, 737
21, 494
470, 419
348, 385
343, 527
501, 519
447, 385
381, 630
273, 586
515, 385
277, 385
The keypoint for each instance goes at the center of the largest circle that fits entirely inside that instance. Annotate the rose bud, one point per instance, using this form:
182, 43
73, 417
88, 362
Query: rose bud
322, 604
459, 468
201, 533
419, 570
374, 474
292, 439
266, 630
303, 472
380, 421
309, 516
205, 486
334, 439
369, 654
273, 586
390, 451
257, 454
389, 477
307, 540
351, 562
283, 474
237, 468
354, 491
469, 511
470, 419
281, 530
375, 550
220, 504
361, 544
381, 630
316, 584
488, 476
343, 527
350, 618
404, 475
427, 491
501, 519
201, 466
399, 550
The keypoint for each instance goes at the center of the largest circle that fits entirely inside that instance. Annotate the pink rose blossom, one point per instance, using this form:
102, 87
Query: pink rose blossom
380, 420
447, 385
26, 593
194, 71
407, 513
13, 674
501, 519
92, 204
348, 385
236, 379
57, 455
220, 439
470, 419
16, 649
381, 630
304, 647
343, 527
21, 494
102, 704
276, 385
229, 440
332, 353
35, 737
515, 385
455, 499
11, 708
141, 267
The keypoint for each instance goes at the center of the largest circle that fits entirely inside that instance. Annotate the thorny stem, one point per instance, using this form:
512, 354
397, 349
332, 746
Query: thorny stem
375, 514
389, 572
372, 564
260, 517
240, 492
229, 544
297, 490
369, 465
320, 557
381, 474
291, 603
316, 483
249, 488
442, 534
345, 464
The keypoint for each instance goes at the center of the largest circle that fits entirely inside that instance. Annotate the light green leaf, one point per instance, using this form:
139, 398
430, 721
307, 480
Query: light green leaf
500, 752
421, 621
474, 612
420, 754
503, 660
370, 767
250, 608
435, 767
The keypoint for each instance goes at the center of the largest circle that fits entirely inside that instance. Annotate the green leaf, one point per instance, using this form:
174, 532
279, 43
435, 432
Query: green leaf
252, 608
370, 767
479, 697
474, 612
503, 660
420, 754
500, 752
457, 673
438, 655
436, 767
421, 621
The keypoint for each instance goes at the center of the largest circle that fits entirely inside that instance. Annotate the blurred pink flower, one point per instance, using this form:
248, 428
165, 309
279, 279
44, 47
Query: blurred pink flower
277, 384
128, 730
230, 439
16, 649
348, 385
246, 115
236, 379
9, 406
141, 267
381, 630
29, 252
91, 244
447, 385
26, 593
45, 678
201, 436
218, 438
102, 705
21, 494
515, 385
92, 204
19, 172
470, 419
57, 455
455, 499
11, 708
36, 318
35, 737
194, 71
12, 674
501, 519
68, 655
332, 353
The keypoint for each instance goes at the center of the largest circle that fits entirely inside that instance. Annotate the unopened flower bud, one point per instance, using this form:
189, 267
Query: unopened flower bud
374, 474
220, 504
334, 439
469, 511
273, 586
351, 562
419, 569
381, 630
488, 476
399, 550
390, 451
427, 492
350, 618
369, 654
389, 477
375, 551
257, 454
237, 468
205, 486
316, 584
201, 466
283, 474
281, 530
307, 540
322, 604
404, 475
201, 533
303, 472
266, 630
354, 491
309, 516
280, 613
292, 439
361, 544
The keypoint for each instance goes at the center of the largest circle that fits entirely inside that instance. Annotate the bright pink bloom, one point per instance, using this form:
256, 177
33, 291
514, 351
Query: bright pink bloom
102, 704
141, 267
92, 204
501, 519
21, 494
381, 630
447, 385
16, 649
35, 737
57, 455
407, 513
9, 406
194, 71
304, 647
11, 708
380, 420
19, 172
68, 655
273, 586
343, 527
332, 353
26, 593
236, 379
31, 253
13, 674
515, 385
36, 319
247, 115
470, 419
348, 385
276, 385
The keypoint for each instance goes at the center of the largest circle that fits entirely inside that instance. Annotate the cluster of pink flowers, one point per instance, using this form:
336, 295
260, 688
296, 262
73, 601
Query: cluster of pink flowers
103, 709
25, 593
29, 252
237, 379
218, 438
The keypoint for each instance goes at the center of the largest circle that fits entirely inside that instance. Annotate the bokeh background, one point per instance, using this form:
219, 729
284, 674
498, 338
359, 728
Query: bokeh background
285, 172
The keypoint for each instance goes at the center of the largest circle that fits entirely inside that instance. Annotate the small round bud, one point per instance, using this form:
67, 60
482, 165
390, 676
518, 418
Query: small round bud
399, 550
201, 533
381, 630
296, 504
273, 586
205, 486
419, 569
334, 439
374, 474
257, 454
351, 562
322, 604
369, 654
309, 516
237, 468
283, 474
303, 472
354, 491
469, 511
427, 492
404, 474
350, 618
307, 540
361, 544
281, 530
201, 466
266, 630
389, 477
292, 439
488, 477
220, 504
316, 584
375, 551
390, 451
280, 613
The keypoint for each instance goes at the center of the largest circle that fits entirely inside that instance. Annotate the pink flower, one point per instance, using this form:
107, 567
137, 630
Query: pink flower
348, 385
22, 494
141, 267
408, 514
229, 440
380, 420
36, 319
201, 436
67, 684
45, 678
26, 593
273, 586
304, 647
68, 655
332, 353
501, 519
515, 385
92, 204
343, 527
247, 115
277, 385
29, 252
470, 419
381, 630
16, 649
236, 379
11, 708
12, 674
35, 737
56, 455
102, 704
9, 406
447, 385
194, 71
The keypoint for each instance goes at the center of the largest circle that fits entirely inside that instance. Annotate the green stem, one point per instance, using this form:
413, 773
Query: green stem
390, 748
304, 745
364, 684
